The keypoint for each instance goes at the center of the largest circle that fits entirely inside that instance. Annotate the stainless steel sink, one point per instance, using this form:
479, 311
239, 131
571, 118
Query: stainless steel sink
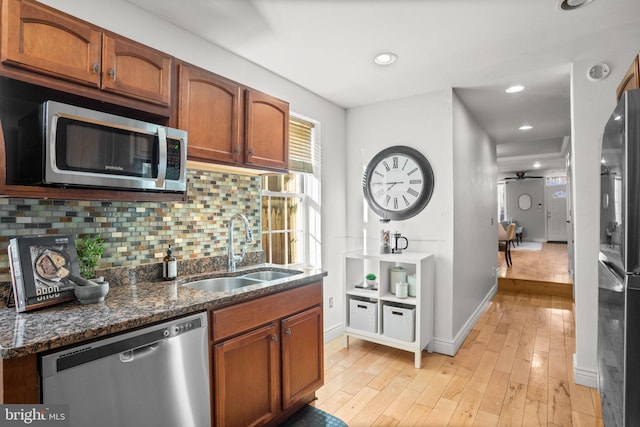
268, 275
222, 283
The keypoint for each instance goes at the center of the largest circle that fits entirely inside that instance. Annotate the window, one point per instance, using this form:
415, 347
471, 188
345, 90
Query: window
553, 181
291, 202
502, 202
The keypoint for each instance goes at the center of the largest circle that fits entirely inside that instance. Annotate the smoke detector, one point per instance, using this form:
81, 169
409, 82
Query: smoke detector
598, 72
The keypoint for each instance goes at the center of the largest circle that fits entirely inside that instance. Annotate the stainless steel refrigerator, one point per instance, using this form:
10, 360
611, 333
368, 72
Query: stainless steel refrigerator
619, 266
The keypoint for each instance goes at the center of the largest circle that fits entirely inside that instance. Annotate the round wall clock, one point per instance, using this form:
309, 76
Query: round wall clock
398, 183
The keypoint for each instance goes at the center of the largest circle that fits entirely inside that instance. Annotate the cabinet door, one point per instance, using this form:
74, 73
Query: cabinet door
208, 110
136, 70
42, 40
631, 80
267, 131
302, 355
246, 378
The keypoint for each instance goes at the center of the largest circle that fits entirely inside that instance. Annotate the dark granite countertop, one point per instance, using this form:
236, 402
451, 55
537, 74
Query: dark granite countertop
125, 307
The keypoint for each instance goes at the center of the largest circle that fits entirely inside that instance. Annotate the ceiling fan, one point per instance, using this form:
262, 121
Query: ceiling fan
520, 176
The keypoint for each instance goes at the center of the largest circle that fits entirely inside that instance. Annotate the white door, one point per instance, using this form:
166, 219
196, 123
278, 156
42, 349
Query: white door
557, 213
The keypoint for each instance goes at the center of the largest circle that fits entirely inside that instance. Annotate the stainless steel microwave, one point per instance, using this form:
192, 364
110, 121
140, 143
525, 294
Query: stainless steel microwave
65, 145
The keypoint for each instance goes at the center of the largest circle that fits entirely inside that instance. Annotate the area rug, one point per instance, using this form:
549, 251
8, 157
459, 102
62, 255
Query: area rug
528, 246
313, 417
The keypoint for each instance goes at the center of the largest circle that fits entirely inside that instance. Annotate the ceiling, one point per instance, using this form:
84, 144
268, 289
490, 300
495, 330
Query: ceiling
478, 47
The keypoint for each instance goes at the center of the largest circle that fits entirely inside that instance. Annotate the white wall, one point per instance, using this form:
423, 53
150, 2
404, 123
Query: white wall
591, 105
423, 122
127, 20
475, 228
534, 219
437, 125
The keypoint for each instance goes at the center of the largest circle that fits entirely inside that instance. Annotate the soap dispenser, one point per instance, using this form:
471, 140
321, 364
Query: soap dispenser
169, 266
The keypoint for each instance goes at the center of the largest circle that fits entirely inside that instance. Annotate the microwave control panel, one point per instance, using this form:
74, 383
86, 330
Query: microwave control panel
173, 159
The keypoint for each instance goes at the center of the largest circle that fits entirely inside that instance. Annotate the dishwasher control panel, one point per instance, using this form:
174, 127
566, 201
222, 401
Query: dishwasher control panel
182, 327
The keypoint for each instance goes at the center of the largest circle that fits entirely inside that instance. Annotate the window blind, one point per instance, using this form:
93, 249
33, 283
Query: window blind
300, 145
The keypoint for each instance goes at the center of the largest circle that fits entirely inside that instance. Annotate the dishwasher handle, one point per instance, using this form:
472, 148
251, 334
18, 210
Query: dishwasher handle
139, 353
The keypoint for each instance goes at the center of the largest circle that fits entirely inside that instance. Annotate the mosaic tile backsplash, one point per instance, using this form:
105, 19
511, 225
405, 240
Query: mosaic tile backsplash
137, 233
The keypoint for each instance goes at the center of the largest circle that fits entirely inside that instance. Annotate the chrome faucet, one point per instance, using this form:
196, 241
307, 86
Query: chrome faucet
233, 259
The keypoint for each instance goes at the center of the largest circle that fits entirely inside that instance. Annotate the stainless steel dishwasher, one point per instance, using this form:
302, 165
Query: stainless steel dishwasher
156, 376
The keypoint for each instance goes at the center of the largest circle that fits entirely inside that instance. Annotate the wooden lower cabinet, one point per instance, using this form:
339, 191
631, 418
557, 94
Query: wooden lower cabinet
246, 378
302, 355
270, 370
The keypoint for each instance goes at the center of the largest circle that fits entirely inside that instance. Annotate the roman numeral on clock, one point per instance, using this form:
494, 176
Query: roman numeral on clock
395, 163
386, 165
413, 192
406, 202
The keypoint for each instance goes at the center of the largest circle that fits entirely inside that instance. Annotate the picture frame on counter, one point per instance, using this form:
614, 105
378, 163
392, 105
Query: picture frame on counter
40, 269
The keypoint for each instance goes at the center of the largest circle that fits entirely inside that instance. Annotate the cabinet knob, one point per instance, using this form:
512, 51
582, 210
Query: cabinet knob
95, 68
288, 332
274, 338
238, 149
112, 73
251, 151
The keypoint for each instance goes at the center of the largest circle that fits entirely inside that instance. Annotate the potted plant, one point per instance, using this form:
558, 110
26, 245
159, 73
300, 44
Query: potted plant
89, 250
370, 280
88, 288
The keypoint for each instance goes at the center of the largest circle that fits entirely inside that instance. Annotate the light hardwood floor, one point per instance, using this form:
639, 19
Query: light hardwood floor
514, 368
551, 264
542, 272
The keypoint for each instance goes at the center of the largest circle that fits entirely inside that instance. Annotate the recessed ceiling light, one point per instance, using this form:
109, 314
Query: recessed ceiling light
386, 58
514, 89
525, 127
536, 165
572, 4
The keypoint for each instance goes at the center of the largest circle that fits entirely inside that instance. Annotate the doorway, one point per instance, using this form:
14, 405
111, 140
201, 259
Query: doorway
556, 194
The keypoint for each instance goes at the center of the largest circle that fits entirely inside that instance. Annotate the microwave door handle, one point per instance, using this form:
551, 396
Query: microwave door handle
162, 166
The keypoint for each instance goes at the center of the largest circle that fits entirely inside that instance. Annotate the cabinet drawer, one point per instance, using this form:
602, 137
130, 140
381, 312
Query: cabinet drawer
238, 318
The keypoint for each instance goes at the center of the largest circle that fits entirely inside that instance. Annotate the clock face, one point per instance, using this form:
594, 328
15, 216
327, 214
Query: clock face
398, 183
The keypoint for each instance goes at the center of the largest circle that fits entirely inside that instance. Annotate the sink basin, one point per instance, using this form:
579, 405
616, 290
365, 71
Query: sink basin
222, 283
267, 275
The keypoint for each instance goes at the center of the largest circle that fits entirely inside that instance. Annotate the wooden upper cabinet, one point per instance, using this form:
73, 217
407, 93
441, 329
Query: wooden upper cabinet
39, 39
208, 108
631, 79
45, 41
135, 70
267, 131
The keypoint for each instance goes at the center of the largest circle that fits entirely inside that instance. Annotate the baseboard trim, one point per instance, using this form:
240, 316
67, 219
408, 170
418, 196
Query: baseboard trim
333, 332
450, 347
585, 377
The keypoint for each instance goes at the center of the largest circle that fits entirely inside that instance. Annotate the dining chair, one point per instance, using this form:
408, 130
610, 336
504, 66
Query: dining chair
505, 237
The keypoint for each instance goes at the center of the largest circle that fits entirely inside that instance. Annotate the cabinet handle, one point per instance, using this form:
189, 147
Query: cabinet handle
238, 149
95, 68
274, 338
112, 73
288, 332
251, 151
